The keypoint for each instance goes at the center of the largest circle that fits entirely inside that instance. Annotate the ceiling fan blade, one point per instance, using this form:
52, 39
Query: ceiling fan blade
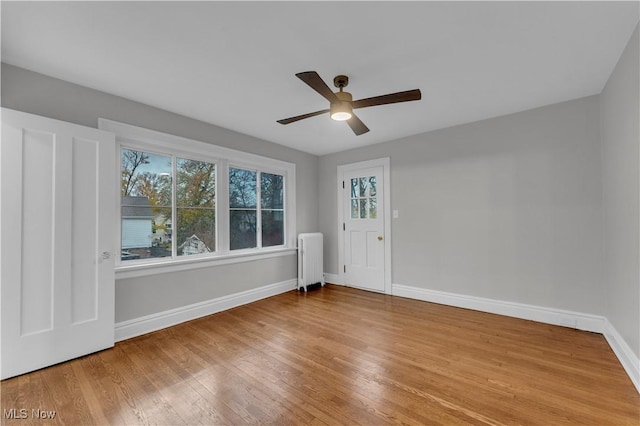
357, 125
392, 98
301, 117
316, 83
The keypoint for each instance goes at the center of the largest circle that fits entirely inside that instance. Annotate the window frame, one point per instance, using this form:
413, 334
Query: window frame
146, 140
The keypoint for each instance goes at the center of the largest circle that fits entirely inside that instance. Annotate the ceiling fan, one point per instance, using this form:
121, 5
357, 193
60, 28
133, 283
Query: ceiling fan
342, 103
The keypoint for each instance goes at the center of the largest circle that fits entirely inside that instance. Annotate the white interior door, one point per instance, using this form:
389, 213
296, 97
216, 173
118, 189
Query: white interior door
56, 224
363, 229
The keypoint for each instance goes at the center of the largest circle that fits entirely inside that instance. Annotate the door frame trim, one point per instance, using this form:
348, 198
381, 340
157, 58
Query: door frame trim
385, 162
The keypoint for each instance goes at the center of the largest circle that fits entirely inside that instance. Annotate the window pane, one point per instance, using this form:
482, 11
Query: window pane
242, 229
364, 186
146, 175
372, 186
354, 188
354, 209
271, 191
146, 205
373, 208
196, 231
363, 208
243, 202
272, 228
242, 188
195, 183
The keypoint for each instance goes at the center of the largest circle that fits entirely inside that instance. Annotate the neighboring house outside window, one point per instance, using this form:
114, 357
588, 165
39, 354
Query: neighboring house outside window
193, 245
137, 219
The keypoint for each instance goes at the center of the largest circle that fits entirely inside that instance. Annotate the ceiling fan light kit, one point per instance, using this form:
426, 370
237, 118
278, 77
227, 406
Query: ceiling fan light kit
341, 103
341, 110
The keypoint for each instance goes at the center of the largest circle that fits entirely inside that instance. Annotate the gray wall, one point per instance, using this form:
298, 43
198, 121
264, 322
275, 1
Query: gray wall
136, 297
27, 91
620, 109
508, 208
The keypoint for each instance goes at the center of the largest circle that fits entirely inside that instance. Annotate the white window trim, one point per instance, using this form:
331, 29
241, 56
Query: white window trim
134, 137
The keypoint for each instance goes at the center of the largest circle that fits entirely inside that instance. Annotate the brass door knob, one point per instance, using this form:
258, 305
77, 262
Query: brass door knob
379, 237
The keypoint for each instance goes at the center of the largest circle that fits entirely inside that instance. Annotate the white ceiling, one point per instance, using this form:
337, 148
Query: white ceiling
233, 63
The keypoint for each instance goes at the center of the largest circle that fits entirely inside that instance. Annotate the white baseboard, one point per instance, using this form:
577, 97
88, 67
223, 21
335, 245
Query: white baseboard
147, 324
332, 278
546, 315
630, 362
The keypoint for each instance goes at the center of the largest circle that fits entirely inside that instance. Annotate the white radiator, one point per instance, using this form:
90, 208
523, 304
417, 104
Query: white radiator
310, 266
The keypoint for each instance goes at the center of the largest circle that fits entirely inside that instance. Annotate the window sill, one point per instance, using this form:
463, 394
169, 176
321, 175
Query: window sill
161, 267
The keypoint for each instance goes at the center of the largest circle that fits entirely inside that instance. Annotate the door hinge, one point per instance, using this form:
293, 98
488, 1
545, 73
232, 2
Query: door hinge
342, 184
344, 228
344, 268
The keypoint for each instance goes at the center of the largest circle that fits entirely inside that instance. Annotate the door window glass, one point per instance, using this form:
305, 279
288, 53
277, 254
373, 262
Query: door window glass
363, 197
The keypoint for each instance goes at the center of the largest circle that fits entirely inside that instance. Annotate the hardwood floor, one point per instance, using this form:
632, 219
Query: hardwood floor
338, 356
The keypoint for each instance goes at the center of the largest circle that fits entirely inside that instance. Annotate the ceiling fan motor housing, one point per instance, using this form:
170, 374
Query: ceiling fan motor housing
344, 96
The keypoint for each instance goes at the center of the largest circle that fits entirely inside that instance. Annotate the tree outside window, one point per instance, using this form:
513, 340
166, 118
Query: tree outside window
272, 202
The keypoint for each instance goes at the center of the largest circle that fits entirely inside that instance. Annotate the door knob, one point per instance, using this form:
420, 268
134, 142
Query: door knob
379, 237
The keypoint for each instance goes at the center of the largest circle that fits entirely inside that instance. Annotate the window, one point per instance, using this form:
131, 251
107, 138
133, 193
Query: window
184, 201
364, 203
272, 215
256, 212
195, 206
243, 208
148, 191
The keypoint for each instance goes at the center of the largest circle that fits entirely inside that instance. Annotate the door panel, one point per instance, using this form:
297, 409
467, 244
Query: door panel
35, 235
58, 187
84, 239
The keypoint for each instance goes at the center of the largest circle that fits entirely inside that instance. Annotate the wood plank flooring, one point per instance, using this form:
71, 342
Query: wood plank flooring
338, 356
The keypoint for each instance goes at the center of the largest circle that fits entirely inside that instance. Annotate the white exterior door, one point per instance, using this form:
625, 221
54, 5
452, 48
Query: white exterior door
57, 214
364, 230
